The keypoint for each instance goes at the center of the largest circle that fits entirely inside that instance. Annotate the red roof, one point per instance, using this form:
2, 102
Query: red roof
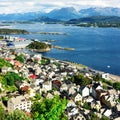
33, 76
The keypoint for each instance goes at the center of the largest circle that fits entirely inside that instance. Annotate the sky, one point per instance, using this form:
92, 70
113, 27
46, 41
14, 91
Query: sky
19, 6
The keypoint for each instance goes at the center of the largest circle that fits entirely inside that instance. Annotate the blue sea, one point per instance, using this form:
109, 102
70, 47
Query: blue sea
94, 47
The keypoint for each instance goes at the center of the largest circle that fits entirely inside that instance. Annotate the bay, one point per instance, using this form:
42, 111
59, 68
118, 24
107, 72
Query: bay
94, 47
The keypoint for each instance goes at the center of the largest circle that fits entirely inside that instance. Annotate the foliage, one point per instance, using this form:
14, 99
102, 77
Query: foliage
94, 116
104, 118
17, 115
0, 90
118, 100
2, 113
97, 78
11, 78
11, 89
4, 63
38, 45
116, 85
20, 58
44, 61
86, 106
49, 109
107, 82
38, 96
1, 37
81, 80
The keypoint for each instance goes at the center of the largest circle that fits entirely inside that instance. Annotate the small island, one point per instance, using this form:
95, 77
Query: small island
39, 46
12, 31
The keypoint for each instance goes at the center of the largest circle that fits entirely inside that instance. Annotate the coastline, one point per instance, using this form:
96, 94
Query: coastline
113, 77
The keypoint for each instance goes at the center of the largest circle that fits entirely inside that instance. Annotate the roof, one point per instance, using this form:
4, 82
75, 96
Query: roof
33, 76
19, 99
96, 85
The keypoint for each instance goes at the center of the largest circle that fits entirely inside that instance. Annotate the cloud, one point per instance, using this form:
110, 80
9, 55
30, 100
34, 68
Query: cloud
11, 6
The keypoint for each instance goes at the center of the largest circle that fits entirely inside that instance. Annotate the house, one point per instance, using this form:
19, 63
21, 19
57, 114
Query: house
72, 90
85, 91
100, 93
89, 99
71, 103
96, 86
72, 111
37, 57
32, 92
19, 102
56, 93
38, 71
47, 85
107, 113
56, 84
64, 87
118, 107
96, 105
49, 96
5, 69
106, 76
78, 117
33, 76
21, 84
77, 97
108, 100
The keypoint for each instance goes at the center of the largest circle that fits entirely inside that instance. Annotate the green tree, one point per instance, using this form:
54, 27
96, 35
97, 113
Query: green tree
81, 80
86, 106
2, 113
4, 63
20, 58
94, 116
104, 118
17, 115
49, 109
116, 85
11, 78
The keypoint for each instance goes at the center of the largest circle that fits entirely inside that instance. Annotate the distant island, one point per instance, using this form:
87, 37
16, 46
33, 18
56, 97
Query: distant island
96, 21
13, 31
39, 46
50, 33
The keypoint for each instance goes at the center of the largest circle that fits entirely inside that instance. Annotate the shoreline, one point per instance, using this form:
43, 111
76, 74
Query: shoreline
113, 77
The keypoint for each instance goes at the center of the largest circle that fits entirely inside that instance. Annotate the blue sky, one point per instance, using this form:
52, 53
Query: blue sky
12, 6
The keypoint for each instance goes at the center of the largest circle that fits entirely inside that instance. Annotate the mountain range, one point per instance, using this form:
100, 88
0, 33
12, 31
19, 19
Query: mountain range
63, 14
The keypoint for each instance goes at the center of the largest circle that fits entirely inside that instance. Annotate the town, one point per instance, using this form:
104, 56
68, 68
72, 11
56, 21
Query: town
26, 79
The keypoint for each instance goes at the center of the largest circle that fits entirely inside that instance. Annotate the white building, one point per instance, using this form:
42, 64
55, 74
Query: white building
19, 102
106, 76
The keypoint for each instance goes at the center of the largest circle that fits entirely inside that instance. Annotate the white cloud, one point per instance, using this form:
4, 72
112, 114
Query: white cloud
11, 6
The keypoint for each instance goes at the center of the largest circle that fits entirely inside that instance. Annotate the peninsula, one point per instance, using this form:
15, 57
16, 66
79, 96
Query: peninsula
39, 46
5, 31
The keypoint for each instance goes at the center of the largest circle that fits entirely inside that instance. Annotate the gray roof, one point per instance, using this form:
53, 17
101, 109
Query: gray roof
18, 100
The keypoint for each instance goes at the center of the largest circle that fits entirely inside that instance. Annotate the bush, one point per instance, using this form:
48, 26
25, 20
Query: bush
116, 85
20, 58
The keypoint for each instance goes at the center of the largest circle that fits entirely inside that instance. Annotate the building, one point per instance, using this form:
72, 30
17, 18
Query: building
20, 102
106, 76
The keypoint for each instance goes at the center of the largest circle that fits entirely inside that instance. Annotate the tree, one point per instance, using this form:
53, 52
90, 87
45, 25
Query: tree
49, 109
86, 106
81, 80
20, 58
2, 113
116, 85
104, 118
17, 115
11, 78
4, 63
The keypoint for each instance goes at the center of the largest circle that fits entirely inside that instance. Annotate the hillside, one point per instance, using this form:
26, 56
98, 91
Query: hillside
96, 21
